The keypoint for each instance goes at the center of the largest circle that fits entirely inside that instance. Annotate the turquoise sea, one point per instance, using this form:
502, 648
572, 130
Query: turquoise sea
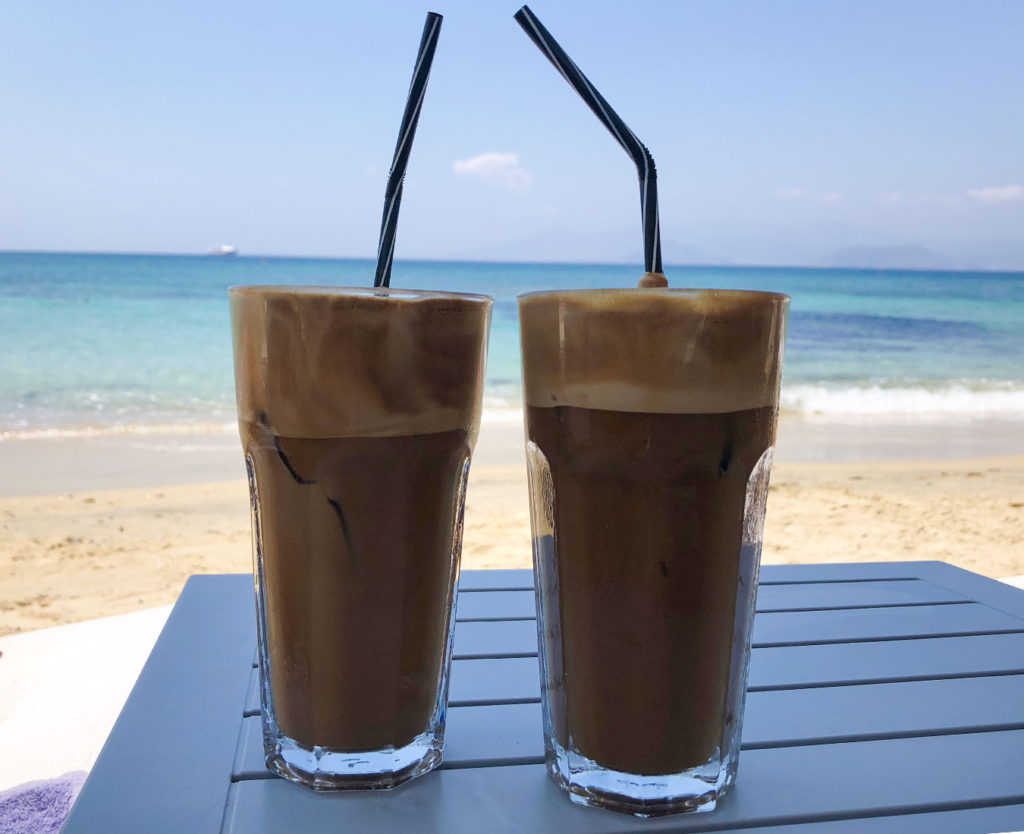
129, 342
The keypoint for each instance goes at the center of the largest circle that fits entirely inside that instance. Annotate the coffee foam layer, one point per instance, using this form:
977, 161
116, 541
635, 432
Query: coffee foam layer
317, 362
662, 351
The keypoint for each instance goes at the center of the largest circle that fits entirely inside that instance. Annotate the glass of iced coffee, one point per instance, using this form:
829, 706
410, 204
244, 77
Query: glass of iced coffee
650, 424
358, 411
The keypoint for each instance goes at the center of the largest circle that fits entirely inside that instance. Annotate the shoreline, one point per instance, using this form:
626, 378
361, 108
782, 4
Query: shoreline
156, 456
112, 524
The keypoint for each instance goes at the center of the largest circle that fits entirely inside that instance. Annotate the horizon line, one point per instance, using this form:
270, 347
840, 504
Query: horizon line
465, 260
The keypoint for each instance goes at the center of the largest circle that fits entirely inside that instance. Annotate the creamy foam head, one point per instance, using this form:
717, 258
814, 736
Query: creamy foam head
344, 362
661, 351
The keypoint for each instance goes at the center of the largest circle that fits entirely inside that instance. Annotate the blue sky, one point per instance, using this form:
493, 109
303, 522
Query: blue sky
782, 130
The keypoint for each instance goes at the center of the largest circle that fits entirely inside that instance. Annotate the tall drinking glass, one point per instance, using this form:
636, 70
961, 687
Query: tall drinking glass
358, 411
650, 423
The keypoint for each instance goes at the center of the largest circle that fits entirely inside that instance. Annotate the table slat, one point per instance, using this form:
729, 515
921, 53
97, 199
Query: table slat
497, 639
852, 624
502, 681
852, 595
844, 572
496, 580
504, 605
798, 716
846, 663
507, 580
495, 605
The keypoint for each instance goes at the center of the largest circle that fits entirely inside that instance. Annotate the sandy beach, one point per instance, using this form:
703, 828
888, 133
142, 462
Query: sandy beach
116, 523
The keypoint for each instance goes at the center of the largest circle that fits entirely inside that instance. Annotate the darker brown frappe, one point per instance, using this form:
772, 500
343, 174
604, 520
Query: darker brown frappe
648, 521
647, 412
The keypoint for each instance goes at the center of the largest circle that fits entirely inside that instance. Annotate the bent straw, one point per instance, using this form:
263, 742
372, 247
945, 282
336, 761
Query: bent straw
610, 119
396, 178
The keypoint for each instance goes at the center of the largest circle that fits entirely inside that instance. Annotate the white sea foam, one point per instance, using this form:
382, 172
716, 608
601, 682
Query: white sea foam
962, 400
959, 401
503, 397
983, 400
502, 413
131, 429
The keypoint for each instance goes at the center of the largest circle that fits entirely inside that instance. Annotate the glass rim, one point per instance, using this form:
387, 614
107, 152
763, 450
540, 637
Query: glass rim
766, 295
398, 293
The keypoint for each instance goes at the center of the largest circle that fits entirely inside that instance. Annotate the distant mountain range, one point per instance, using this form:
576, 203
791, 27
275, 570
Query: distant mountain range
560, 246
623, 247
887, 257
1007, 255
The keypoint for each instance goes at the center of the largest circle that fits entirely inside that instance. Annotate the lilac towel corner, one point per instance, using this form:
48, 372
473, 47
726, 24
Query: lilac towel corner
39, 807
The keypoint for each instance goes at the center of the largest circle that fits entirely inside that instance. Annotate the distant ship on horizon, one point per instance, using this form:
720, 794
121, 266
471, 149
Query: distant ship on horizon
224, 250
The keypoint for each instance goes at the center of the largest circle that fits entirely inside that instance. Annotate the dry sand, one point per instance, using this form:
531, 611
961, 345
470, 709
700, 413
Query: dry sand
69, 552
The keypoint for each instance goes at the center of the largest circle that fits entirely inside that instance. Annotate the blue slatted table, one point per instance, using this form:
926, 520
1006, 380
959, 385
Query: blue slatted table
883, 698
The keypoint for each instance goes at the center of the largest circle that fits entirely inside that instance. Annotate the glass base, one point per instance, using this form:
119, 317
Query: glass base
325, 769
587, 783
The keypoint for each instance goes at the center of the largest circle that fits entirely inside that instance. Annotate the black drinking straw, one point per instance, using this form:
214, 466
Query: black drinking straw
610, 119
411, 116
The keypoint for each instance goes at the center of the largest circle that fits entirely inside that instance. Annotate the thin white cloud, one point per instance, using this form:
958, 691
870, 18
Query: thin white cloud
997, 193
502, 169
828, 198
